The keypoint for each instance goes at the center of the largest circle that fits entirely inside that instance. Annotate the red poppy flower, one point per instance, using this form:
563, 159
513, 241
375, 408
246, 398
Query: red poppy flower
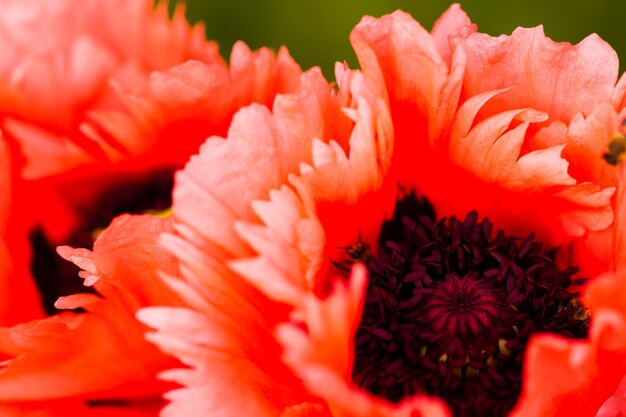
462, 300
111, 148
100, 102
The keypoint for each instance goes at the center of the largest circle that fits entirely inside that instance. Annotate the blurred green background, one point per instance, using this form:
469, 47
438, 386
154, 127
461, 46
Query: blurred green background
316, 32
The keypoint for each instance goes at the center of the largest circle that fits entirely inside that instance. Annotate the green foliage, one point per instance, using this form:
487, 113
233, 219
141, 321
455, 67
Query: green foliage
317, 32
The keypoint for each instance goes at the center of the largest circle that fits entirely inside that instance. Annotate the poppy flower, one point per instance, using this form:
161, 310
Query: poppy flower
100, 102
429, 272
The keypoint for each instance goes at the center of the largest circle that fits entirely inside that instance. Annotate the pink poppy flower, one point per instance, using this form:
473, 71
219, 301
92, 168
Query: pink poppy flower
94, 100
400, 312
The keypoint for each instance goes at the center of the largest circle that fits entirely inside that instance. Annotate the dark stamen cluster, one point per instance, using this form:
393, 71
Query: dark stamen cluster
56, 277
450, 308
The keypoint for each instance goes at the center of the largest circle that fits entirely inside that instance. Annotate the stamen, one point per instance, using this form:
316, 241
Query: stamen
450, 308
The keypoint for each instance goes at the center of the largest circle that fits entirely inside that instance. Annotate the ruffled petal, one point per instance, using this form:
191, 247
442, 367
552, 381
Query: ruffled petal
587, 139
215, 191
453, 20
494, 176
409, 58
225, 364
557, 78
326, 213
423, 86
223, 216
194, 100
105, 345
261, 151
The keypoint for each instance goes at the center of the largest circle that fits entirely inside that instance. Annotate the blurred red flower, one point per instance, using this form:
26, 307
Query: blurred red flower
100, 102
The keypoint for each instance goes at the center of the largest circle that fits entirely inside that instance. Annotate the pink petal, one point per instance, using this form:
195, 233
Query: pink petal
557, 78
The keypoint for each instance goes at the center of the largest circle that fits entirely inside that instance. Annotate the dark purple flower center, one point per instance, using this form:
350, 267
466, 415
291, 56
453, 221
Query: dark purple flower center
134, 194
450, 308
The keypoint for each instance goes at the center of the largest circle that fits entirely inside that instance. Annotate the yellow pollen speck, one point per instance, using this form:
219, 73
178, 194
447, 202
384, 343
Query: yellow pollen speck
159, 213
580, 312
423, 351
96, 233
502, 345
472, 372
